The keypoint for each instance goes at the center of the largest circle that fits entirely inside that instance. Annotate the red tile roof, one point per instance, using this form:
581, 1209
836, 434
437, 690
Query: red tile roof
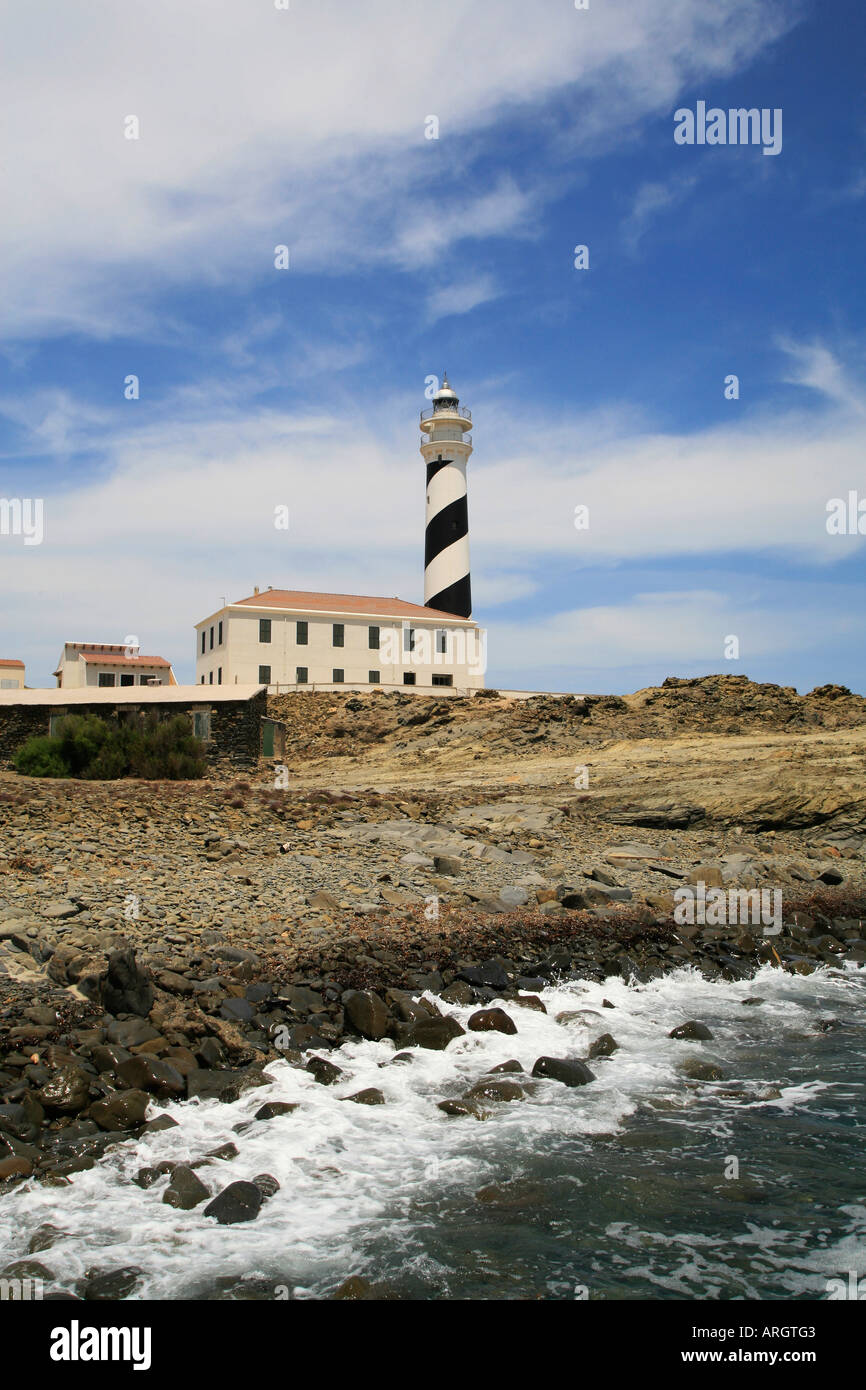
8, 661
343, 603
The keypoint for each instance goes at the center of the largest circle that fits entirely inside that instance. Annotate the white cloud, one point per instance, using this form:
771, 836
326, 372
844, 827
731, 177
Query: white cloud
306, 126
180, 511
650, 201
461, 297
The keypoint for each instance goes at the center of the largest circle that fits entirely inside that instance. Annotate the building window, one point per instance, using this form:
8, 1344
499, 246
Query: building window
202, 680
127, 678
443, 680
374, 677
374, 639
441, 640
264, 629
339, 634
148, 680
201, 724
264, 675
210, 677
409, 641
302, 634
338, 676
106, 678
203, 642
211, 639
408, 677
301, 674
219, 675
219, 634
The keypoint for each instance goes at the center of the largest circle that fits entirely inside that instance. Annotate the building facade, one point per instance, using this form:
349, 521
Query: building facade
289, 640
11, 674
108, 664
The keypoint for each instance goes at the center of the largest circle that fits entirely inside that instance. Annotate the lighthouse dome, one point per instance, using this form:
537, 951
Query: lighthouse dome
445, 395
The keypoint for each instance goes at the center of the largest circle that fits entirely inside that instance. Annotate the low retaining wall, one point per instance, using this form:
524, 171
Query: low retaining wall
234, 737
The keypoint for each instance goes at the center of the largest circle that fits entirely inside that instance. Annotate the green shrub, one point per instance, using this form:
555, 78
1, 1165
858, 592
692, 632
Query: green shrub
40, 757
93, 748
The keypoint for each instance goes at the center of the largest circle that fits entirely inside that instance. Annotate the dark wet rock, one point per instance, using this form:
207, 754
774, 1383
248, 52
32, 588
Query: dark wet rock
161, 1122
359, 1290
490, 973
240, 1201
225, 1085
224, 1152
753, 1000
108, 1056
569, 1071
697, 1069
109, 1285
531, 1001
506, 1067
324, 1071
144, 1073
495, 1088
691, 1031
366, 1013
44, 1237
13, 1168
267, 1185
491, 1021
123, 1110
369, 1096
464, 1106
185, 1189
127, 989
433, 1033
272, 1108
458, 992
67, 1092
605, 1046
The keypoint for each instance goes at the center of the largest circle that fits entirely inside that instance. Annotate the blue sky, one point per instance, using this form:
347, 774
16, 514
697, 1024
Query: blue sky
602, 387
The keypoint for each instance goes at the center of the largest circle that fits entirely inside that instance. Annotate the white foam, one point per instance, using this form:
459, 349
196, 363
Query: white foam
352, 1175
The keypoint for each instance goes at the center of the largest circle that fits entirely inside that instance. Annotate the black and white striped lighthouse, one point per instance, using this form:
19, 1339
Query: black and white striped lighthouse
446, 451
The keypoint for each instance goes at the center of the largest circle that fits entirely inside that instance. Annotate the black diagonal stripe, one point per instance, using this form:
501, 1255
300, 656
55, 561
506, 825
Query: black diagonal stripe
434, 467
445, 528
456, 599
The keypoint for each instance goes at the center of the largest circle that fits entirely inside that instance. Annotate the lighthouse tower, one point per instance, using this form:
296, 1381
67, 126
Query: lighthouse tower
446, 451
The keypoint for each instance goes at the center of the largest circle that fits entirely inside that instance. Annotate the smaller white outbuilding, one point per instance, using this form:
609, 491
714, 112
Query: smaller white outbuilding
11, 674
108, 664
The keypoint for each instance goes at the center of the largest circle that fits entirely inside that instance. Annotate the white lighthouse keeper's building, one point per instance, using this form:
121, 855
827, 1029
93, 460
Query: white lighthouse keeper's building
291, 640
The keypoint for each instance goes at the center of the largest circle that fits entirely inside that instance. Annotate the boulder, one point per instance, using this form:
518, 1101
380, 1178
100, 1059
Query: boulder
433, 1033
366, 1013
491, 1021
67, 1091
324, 1071
569, 1071
240, 1201
370, 1096
691, 1031
126, 990
144, 1073
185, 1189
605, 1046
122, 1110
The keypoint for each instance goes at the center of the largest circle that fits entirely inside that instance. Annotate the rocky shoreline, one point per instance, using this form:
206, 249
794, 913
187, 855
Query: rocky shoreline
164, 942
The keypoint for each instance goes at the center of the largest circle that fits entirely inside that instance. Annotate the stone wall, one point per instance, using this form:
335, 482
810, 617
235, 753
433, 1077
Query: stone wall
235, 726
